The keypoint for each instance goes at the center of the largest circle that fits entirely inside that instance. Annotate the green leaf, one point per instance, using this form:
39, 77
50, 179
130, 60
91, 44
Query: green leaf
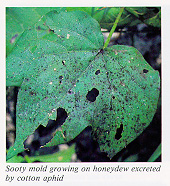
20, 18
155, 20
156, 154
58, 67
16, 159
64, 155
61, 156
106, 16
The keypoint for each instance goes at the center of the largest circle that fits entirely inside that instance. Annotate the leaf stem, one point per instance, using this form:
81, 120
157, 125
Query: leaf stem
113, 28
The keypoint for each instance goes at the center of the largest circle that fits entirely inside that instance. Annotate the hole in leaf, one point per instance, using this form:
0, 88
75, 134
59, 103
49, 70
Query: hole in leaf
119, 132
97, 72
91, 95
145, 71
43, 135
61, 116
43, 131
36, 144
53, 124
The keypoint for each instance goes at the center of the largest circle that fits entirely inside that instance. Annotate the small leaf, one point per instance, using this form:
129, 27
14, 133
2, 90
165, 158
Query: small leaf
155, 20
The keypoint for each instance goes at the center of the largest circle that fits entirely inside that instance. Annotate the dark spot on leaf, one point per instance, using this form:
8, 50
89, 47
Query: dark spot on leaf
64, 133
51, 30
113, 97
63, 62
97, 72
143, 124
108, 143
119, 132
13, 38
145, 71
126, 98
69, 91
32, 93
101, 51
91, 95
60, 77
39, 28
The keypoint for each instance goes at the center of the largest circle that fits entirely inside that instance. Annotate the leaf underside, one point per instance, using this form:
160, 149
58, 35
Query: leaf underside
58, 67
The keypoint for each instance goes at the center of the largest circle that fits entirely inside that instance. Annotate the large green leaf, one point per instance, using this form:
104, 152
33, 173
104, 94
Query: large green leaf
59, 69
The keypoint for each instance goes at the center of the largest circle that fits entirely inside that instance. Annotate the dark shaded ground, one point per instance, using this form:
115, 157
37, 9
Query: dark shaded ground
148, 41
